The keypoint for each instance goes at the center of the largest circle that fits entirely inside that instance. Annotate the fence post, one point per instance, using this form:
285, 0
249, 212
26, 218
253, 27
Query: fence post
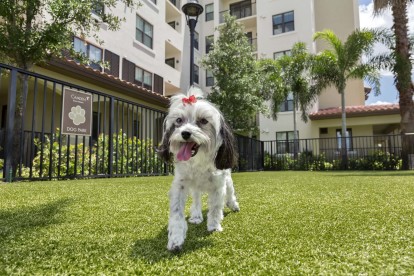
111, 138
11, 108
262, 154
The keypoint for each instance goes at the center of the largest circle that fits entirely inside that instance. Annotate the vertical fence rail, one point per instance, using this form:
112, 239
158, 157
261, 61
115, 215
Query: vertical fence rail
111, 133
10, 125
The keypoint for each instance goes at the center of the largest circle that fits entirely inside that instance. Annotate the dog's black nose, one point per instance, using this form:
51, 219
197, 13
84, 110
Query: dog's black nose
185, 135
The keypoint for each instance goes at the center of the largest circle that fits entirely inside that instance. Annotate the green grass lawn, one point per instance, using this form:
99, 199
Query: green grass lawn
289, 223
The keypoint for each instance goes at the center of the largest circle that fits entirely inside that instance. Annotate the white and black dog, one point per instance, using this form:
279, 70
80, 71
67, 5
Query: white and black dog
202, 146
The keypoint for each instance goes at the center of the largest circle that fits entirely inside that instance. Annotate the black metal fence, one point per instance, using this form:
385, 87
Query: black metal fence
124, 133
380, 152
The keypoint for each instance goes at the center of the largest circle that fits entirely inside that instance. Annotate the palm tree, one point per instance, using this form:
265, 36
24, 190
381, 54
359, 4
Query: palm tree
401, 68
342, 62
290, 74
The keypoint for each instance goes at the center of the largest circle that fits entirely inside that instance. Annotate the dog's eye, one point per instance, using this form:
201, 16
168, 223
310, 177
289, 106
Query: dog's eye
179, 120
203, 121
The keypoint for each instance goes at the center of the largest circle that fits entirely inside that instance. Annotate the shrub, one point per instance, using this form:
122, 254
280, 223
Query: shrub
130, 156
379, 160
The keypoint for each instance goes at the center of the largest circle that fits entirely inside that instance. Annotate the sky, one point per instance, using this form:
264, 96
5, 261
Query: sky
389, 93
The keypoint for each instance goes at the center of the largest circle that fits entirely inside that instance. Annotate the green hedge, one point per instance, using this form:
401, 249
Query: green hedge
131, 156
379, 160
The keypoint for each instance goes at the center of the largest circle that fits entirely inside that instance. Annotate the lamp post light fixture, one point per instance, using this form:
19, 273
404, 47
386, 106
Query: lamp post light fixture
192, 10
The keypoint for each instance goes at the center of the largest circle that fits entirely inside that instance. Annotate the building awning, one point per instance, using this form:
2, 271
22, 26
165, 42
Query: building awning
356, 111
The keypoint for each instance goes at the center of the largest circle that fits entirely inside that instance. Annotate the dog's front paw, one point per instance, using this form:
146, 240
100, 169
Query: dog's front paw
233, 205
175, 244
196, 219
214, 228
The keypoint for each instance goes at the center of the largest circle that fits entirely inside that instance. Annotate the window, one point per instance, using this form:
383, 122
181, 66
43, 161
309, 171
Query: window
196, 39
89, 51
209, 12
95, 54
283, 23
285, 142
170, 62
209, 43
147, 80
348, 138
196, 73
287, 105
209, 78
98, 8
80, 46
144, 32
143, 78
241, 9
280, 54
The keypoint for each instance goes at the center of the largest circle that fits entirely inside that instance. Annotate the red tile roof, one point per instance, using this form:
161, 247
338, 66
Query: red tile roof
356, 111
143, 93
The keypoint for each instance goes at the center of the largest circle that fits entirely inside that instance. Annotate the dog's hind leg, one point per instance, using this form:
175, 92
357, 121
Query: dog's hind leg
177, 226
231, 200
195, 210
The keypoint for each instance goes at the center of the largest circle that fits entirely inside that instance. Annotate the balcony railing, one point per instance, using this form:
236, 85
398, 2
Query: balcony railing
240, 11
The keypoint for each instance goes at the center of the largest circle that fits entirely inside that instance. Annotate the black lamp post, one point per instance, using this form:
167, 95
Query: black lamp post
192, 10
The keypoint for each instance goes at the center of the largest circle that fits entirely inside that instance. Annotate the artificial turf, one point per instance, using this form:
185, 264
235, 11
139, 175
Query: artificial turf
289, 223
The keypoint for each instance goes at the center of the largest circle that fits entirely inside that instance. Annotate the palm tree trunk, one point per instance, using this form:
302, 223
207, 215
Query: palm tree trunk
344, 150
403, 79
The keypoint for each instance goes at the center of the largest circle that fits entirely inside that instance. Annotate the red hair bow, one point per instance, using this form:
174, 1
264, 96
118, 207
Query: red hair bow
190, 100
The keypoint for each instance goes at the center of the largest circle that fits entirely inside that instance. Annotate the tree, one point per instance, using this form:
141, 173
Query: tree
34, 31
294, 77
342, 62
237, 87
401, 67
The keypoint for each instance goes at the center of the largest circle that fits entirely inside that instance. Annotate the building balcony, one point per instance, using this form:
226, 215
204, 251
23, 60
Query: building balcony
173, 14
240, 10
172, 78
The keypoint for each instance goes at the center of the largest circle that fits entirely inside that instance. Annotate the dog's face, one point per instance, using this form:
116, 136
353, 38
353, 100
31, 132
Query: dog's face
195, 128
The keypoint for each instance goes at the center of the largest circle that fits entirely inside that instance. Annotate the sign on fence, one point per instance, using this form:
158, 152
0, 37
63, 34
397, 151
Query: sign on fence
76, 113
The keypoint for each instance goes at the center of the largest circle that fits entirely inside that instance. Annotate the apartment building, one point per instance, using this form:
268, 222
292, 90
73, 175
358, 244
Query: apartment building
149, 58
273, 26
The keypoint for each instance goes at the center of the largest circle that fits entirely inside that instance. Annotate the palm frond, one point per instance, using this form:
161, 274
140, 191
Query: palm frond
332, 40
381, 5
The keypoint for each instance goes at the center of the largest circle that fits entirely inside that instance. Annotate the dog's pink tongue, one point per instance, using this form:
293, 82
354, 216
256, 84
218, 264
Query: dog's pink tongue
185, 151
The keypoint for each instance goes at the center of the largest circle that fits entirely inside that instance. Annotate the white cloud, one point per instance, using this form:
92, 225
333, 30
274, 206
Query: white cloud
382, 103
368, 20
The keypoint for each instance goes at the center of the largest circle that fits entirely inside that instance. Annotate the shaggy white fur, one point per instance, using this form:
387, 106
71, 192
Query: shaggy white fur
202, 146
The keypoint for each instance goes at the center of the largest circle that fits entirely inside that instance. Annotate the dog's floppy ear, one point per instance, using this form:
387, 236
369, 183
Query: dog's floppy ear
226, 155
164, 149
